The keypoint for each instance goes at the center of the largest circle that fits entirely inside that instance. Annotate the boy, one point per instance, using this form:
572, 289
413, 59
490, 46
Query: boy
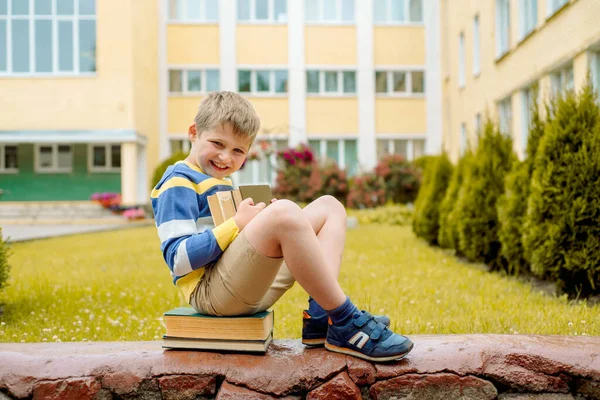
237, 267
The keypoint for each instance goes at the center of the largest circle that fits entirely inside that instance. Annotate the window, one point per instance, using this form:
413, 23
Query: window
262, 11
562, 79
528, 96
53, 158
505, 116
478, 123
463, 139
418, 148
461, 60
264, 169
104, 157
193, 11
502, 27
595, 70
410, 149
193, 81
555, 5
262, 82
9, 159
178, 145
398, 11
341, 151
476, 47
331, 83
527, 17
329, 11
400, 83
47, 37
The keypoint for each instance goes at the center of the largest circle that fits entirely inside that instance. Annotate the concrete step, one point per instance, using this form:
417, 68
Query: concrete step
54, 210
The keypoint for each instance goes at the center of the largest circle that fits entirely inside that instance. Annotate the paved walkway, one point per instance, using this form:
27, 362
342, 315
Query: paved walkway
23, 232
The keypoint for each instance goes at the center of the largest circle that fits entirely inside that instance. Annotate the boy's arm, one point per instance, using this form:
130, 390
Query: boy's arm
177, 211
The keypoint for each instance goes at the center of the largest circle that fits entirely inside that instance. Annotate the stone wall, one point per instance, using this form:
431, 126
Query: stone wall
440, 367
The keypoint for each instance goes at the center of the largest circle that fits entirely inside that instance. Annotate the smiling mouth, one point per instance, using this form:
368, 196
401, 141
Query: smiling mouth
219, 167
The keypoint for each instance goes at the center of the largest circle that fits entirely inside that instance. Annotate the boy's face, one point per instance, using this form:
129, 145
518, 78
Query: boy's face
218, 152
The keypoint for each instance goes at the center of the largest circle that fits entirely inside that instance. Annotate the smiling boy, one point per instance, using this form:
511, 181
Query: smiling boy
237, 267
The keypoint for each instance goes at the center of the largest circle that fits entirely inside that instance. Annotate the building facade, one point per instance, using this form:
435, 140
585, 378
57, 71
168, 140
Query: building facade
499, 56
96, 93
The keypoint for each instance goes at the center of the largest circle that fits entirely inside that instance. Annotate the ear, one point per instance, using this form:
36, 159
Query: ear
192, 134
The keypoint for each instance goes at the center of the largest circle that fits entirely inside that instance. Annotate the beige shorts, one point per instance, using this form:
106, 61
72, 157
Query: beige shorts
241, 282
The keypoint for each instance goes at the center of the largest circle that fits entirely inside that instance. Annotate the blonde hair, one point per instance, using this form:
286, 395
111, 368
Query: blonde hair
227, 107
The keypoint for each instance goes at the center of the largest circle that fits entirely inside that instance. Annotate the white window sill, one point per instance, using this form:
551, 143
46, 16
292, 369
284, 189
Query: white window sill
100, 170
21, 75
332, 95
178, 22
54, 171
187, 94
400, 95
396, 23
8, 171
261, 22
265, 94
330, 23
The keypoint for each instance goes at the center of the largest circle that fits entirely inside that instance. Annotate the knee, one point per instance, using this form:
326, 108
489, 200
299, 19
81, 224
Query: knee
285, 214
332, 205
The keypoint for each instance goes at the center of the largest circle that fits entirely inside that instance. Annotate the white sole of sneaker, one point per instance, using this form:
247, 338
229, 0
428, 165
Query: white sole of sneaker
342, 350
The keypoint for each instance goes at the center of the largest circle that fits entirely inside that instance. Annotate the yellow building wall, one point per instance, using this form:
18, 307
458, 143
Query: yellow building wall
262, 44
273, 114
394, 115
181, 112
563, 38
335, 116
193, 44
104, 101
335, 45
399, 45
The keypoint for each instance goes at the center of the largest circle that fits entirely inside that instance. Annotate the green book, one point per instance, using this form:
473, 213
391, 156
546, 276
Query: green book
254, 346
185, 322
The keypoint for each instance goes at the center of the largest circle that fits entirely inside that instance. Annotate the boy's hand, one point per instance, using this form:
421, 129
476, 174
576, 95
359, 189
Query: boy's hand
246, 212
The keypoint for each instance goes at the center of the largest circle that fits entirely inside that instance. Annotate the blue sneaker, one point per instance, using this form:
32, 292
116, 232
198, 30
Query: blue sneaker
365, 338
314, 329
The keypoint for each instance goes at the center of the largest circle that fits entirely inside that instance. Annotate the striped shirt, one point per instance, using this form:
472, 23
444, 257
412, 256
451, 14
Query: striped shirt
188, 239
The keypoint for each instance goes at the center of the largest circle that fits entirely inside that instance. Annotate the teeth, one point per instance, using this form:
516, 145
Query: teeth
220, 165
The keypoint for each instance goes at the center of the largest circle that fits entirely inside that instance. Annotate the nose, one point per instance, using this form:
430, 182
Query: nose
225, 157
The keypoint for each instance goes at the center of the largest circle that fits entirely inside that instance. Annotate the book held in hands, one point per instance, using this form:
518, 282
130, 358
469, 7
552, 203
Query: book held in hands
188, 329
224, 204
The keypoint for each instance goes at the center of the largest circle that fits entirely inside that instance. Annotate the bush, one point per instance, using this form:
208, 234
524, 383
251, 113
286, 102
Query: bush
298, 177
448, 233
401, 178
477, 221
512, 205
562, 226
159, 171
334, 182
397, 214
366, 191
4, 267
426, 222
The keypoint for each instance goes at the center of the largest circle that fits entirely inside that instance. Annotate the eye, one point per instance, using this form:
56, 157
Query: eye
240, 151
218, 144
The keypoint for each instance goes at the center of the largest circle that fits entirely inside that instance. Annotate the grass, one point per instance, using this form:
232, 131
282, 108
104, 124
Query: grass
114, 286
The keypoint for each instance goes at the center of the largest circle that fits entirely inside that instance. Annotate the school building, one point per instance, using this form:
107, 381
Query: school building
95, 93
495, 53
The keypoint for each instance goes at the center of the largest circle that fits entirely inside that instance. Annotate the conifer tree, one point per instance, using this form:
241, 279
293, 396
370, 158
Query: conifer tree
448, 234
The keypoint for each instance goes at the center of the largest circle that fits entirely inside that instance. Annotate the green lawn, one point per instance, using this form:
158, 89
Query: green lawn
114, 286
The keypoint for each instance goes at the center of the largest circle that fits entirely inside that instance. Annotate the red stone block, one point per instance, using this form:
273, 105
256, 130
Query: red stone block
232, 392
186, 387
361, 372
341, 387
68, 389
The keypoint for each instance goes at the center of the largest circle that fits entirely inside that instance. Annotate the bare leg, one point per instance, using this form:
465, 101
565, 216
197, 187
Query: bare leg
328, 219
283, 229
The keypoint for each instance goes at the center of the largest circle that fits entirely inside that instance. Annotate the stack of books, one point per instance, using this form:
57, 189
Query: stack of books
224, 204
187, 329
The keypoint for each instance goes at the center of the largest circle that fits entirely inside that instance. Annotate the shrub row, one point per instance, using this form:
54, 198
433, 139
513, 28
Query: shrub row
540, 215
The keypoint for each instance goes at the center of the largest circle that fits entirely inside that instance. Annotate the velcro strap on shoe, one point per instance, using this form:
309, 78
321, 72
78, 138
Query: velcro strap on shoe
362, 319
377, 331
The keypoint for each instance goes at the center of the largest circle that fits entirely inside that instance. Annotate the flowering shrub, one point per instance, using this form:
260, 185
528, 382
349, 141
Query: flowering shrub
107, 199
334, 182
366, 191
402, 179
298, 177
134, 213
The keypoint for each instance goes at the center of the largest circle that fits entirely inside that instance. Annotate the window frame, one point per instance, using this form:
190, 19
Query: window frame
273, 139
408, 93
54, 169
108, 168
410, 143
502, 28
270, 18
551, 9
476, 46
185, 69
561, 74
527, 15
389, 21
505, 111
253, 69
185, 21
341, 147
339, 79
462, 73
339, 17
54, 18
3, 168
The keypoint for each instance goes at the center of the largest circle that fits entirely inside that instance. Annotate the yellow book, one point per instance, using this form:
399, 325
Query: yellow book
226, 203
215, 209
254, 346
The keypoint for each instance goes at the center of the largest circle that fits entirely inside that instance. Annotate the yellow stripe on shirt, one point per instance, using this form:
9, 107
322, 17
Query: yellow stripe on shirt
185, 182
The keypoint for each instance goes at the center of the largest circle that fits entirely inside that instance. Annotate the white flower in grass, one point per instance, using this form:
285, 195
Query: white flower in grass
54, 337
2, 323
73, 339
570, 324
33, 313
583, 321
22, 341
97, 328
44, 340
